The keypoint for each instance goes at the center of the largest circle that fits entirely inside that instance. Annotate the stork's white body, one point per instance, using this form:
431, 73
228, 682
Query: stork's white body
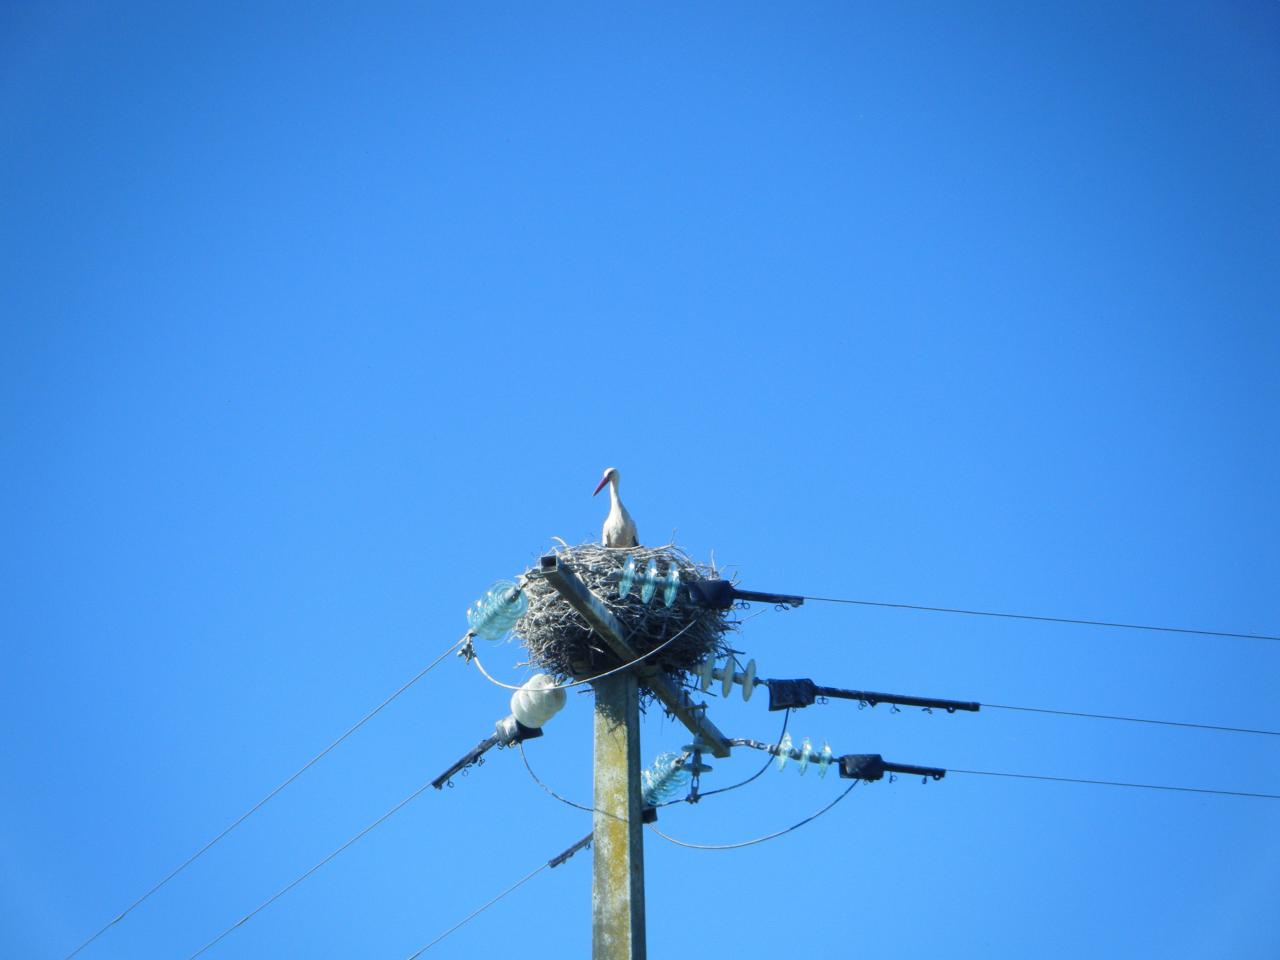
619, 528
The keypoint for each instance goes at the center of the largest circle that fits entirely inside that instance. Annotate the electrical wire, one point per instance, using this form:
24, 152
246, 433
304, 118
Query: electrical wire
795, 826
293, 883
578, 806
599, 676
867, 699
786, 718
1027, 616
554, 862
1116, 783
538, 781
748, 843
666, 803
257, 806
479, 910
1105, 716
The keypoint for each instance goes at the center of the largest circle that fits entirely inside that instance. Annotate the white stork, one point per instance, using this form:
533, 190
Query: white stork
619, 528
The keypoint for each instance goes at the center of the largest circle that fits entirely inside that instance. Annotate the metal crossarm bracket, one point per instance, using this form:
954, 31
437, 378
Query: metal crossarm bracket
803, 692
562, 857
721, 594
507, 731
872, 766
606, 625
467, 759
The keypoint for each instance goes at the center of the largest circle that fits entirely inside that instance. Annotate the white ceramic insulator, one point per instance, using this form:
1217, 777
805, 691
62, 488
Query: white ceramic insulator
537, 701
705, 673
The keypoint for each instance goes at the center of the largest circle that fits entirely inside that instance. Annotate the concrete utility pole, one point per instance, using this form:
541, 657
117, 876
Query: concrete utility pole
617, 894
617, 883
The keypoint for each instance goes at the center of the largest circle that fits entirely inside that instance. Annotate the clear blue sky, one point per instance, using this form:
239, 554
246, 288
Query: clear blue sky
317, 320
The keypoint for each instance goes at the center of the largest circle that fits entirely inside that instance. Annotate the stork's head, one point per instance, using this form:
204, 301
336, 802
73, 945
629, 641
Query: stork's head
610, 473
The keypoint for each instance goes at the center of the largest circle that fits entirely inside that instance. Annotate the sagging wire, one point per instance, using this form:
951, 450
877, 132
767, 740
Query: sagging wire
748, 843
550, 792
786, 718
664, 803
470, 655
675, 764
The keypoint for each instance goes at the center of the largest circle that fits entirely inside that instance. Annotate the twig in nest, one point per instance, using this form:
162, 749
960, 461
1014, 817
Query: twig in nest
560, 642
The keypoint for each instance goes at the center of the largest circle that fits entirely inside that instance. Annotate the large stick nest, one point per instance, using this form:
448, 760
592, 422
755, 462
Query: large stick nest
560, 642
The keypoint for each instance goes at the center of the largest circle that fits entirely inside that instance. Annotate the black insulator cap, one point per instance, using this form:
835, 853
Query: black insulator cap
784, 694
862, 766
716, 594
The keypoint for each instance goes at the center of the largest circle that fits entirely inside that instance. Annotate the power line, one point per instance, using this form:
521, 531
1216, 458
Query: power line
538, 781
786, 718
553, 862
666, 803
802, 692
293, 883
748, 843
1027, 616
479, 910
1105, 716
257, 806
599, 676
1116, 783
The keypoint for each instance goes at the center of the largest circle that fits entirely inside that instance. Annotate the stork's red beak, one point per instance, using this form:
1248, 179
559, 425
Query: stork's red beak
603, 481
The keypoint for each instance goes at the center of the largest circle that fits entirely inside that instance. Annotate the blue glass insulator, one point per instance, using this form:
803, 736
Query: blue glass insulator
628, 577
649, 582
664, 779
672, 585
784, 750
806, 751
824, 759
497, 611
